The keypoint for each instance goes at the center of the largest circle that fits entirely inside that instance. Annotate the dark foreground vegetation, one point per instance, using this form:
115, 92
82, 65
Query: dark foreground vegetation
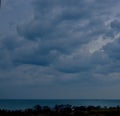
64, 110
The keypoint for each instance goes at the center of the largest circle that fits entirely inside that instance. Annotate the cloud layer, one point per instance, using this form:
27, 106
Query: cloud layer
63, 42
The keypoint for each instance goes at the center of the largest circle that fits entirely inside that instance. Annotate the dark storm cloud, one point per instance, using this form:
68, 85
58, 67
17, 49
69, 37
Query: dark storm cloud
58, 18
61, 27
61, 42
59, 35
60, 32
113, 51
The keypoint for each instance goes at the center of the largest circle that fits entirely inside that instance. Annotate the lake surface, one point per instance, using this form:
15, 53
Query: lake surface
23, 104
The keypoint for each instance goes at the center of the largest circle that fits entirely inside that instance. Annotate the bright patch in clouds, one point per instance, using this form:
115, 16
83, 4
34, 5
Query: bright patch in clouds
98, 44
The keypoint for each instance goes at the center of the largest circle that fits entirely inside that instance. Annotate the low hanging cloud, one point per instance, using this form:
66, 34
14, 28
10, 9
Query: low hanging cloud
69, 35
68, 39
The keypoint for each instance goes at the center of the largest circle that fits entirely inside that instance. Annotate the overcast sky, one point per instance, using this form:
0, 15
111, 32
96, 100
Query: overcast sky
60, 49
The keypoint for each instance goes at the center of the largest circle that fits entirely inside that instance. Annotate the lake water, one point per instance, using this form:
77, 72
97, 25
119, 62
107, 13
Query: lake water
23, 104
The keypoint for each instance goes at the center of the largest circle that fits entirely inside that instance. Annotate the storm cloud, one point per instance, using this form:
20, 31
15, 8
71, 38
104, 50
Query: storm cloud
59, 42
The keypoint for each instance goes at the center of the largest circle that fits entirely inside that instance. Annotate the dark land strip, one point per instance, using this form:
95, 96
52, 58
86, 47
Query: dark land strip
64, 110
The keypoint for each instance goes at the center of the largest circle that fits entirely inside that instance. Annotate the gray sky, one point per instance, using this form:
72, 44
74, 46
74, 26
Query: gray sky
60, 49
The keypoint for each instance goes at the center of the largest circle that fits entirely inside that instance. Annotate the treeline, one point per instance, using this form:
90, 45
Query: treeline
64, 110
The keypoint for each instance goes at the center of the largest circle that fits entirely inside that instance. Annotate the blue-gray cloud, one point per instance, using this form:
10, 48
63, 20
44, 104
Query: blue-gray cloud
62, 42
63, 28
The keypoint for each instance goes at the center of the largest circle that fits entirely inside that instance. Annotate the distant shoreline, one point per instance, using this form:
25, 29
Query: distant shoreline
16, 104
63, 110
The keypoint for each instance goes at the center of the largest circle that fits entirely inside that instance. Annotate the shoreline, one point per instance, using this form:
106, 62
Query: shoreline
63, 110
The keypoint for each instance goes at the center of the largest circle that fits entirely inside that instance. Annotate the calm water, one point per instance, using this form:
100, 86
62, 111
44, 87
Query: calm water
23, 104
